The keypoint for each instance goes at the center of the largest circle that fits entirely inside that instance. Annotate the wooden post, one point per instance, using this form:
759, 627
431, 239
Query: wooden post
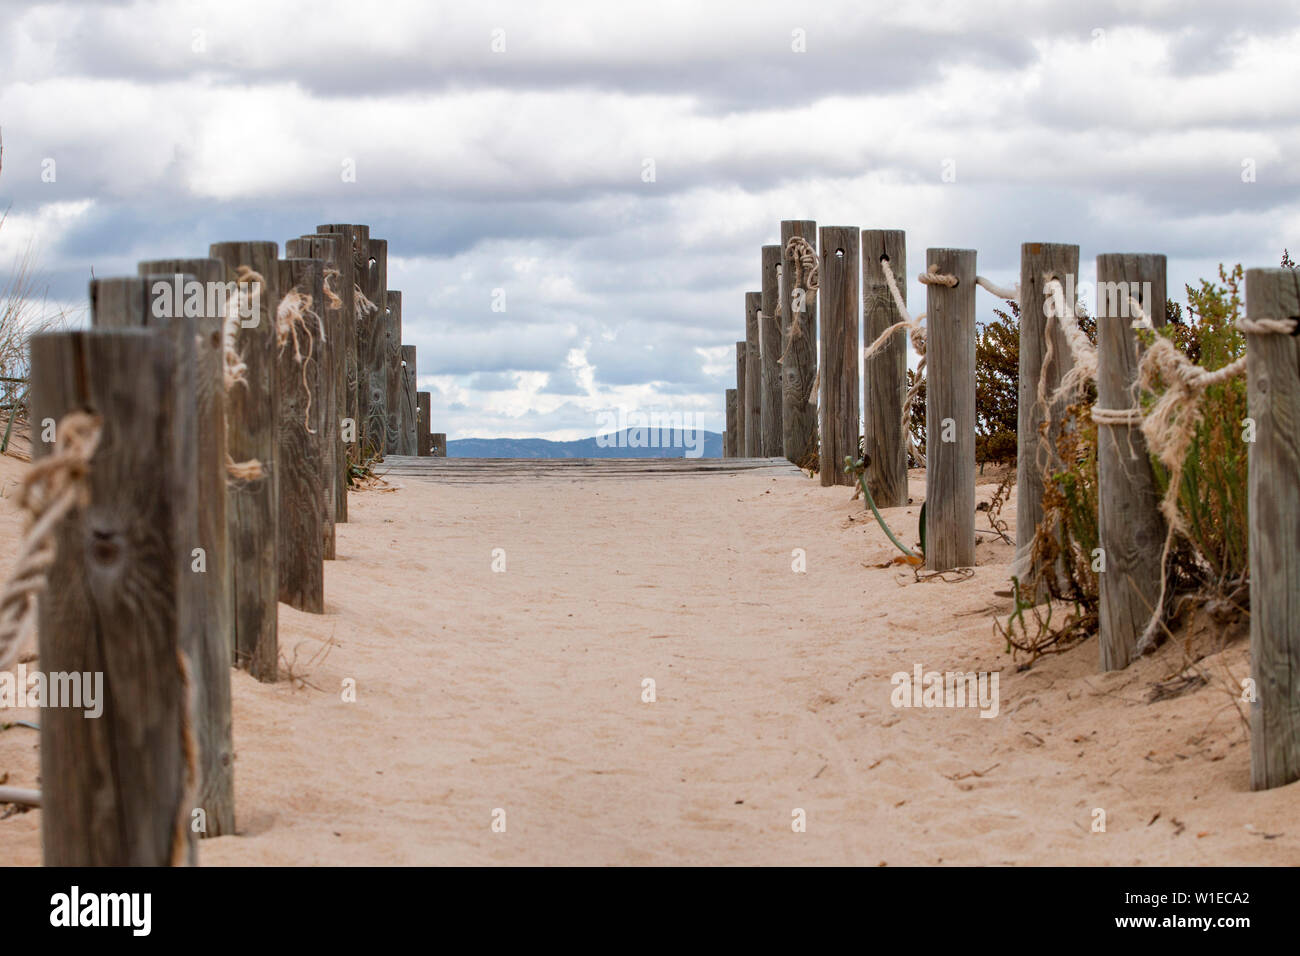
208, 638
252, 422
354, 240
1273, 375
1039, 261
753, 378
423, 437
770, 344
884, 375
729, 436
1130, 529
799, 344
407, 420
392, 344
114, 788
301, 490
950, 412
740, 400
841, 406
372, 352
438, 444
329, 248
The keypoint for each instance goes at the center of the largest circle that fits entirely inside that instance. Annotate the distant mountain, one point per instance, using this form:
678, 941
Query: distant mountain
629, 443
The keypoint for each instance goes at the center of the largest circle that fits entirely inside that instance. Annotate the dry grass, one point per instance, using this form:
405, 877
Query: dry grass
24, 312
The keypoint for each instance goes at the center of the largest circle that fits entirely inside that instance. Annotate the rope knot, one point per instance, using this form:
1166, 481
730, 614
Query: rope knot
933, 276
52, 487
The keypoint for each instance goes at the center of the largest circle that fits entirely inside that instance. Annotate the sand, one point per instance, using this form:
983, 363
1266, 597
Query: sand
521, 691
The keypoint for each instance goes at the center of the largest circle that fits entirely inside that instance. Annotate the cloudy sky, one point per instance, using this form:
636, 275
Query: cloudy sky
502, 146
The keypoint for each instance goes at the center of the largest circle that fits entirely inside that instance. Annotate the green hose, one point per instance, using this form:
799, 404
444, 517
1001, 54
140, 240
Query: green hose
860, 470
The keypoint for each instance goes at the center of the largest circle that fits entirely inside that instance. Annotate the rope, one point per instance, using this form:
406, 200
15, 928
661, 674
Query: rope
249, 470
363, 305
235, 372
807, 275
916, 332
1117, 416
933, 276
290, 316
1002, 293
52, 487
332, 297
1267, 326
1170, 425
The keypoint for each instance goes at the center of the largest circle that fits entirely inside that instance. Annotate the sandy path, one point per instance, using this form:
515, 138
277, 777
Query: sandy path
522, 691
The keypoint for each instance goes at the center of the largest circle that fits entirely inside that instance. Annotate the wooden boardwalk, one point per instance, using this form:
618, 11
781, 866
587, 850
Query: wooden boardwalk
477, 470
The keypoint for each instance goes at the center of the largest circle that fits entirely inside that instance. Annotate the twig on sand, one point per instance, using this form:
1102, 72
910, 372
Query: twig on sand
970, 773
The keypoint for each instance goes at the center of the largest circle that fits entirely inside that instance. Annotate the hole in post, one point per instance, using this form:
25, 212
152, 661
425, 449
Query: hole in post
839, 253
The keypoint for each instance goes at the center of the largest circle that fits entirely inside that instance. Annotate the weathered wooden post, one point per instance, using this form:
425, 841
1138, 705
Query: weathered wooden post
205, 579
302, 357
392, 345
799, 347
740, 399
438, 444
841, 406
407, 421
1130, 529
252, 424
770, 345
950, 409
1273, 376
753, 378
354, 240
372, 352
423, 437
884, 374
1039, 262
119, 789
329, 248
729, 436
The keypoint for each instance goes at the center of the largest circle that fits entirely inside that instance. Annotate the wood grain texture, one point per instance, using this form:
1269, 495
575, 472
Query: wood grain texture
213, 637
423, 437
741, 354
799, 343
950, 413
884, 375
372, 351
729, 436
1039, 261
1130, 529
438, 445
113, 787
841, 346
769, 343
301, 551
408, 419
753, 378
1273, 383
392, 345
252, 423
330, 250
353, 239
